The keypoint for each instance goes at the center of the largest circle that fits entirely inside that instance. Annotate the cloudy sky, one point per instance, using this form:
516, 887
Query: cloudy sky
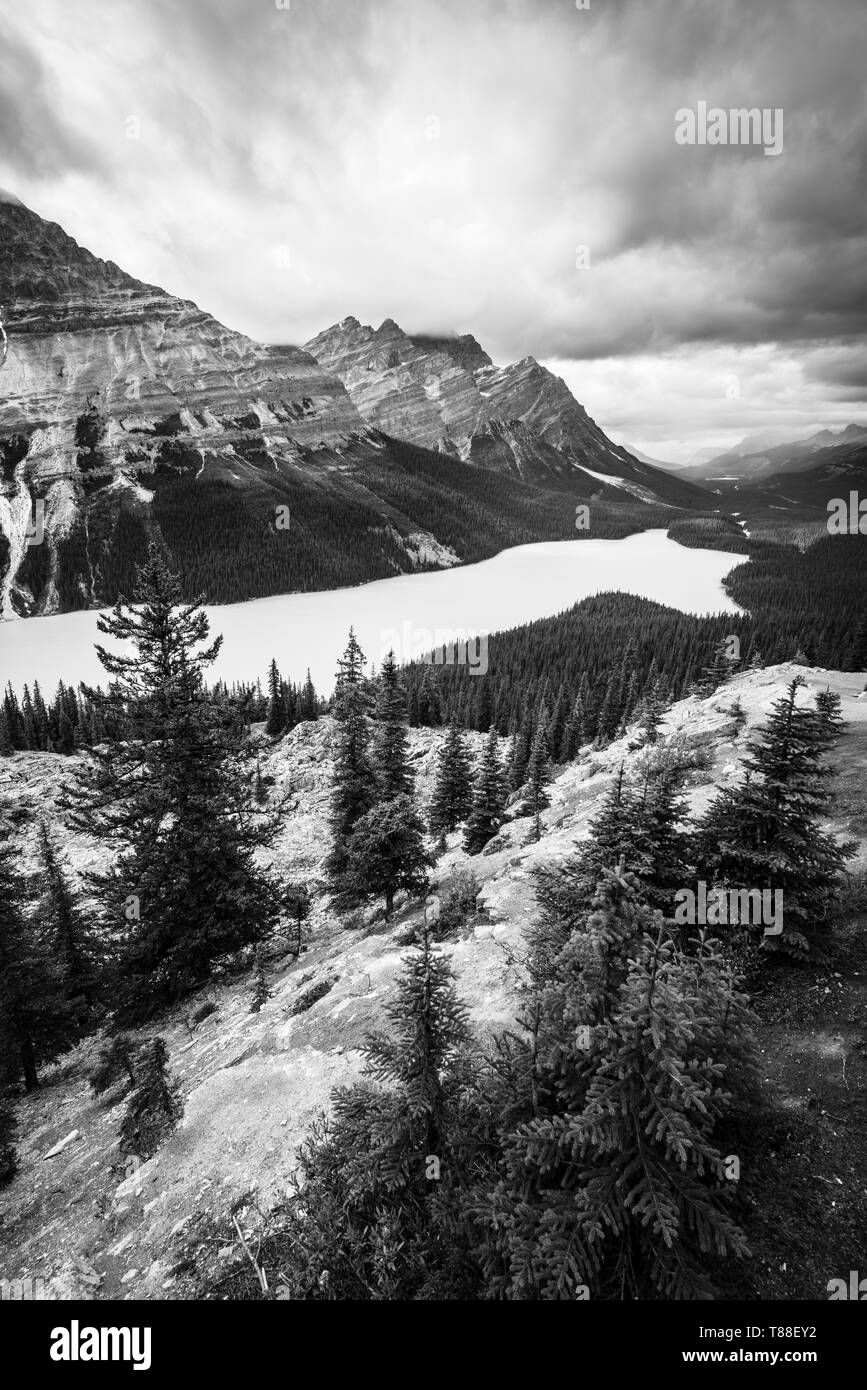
501, 167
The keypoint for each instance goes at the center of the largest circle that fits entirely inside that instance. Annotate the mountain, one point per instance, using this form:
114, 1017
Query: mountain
126, 412
657, 463
446, 394
831, 473
762, 455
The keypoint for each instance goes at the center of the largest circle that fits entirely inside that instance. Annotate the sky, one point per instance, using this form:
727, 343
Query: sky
508, 168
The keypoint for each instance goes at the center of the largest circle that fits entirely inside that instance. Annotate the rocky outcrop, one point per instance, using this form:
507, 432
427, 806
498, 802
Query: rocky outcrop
106, 378
86, 337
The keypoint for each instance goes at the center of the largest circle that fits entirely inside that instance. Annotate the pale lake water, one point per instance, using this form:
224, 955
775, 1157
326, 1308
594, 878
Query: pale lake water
407, 612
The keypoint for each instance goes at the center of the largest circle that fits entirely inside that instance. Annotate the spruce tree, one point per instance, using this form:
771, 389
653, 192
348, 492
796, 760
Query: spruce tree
608, 721
353, 781
78, 956
170, 796
573, 732
386, 852
719, 670
115, 1062
308, 706
522, 746
652, 713
639, 826
828, 706
452, 800
390, 742
153, 1108
275, 722
611, 1179
489, 798
66, 734
261, 992
537, 776
379, 1203
767, 832
34, 1016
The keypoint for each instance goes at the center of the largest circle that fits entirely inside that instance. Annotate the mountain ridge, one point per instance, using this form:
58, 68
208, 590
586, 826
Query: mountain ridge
447, 394
126, 412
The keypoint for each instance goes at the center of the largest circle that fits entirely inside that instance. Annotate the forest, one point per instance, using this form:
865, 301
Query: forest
590, 1152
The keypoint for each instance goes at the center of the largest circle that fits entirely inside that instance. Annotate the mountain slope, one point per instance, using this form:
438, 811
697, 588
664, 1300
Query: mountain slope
252, 1083
520, 419
127, 413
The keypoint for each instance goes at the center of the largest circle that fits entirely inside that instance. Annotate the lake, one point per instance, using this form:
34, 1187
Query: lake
410, 612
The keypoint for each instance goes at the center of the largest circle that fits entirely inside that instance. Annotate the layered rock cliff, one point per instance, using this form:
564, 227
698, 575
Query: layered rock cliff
126, 412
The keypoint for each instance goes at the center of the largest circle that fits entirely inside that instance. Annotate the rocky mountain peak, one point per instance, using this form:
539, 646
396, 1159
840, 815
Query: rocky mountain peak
445, 393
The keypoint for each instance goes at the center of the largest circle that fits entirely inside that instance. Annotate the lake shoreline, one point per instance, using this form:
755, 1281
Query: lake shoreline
308, 629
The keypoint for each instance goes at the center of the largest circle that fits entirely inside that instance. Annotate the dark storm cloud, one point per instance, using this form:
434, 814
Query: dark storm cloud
448, 164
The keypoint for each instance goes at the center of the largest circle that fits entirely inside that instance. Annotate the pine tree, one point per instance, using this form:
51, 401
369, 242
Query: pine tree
386, 852
34, 1018
452, 801
767, 833
170, 795
390, 743
8, 1155
353, 780
153, 1108
611, 1181
489, 798
275, 722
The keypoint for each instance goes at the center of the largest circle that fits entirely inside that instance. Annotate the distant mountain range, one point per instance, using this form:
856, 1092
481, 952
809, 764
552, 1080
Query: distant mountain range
126, 412
768, 452
811, 481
